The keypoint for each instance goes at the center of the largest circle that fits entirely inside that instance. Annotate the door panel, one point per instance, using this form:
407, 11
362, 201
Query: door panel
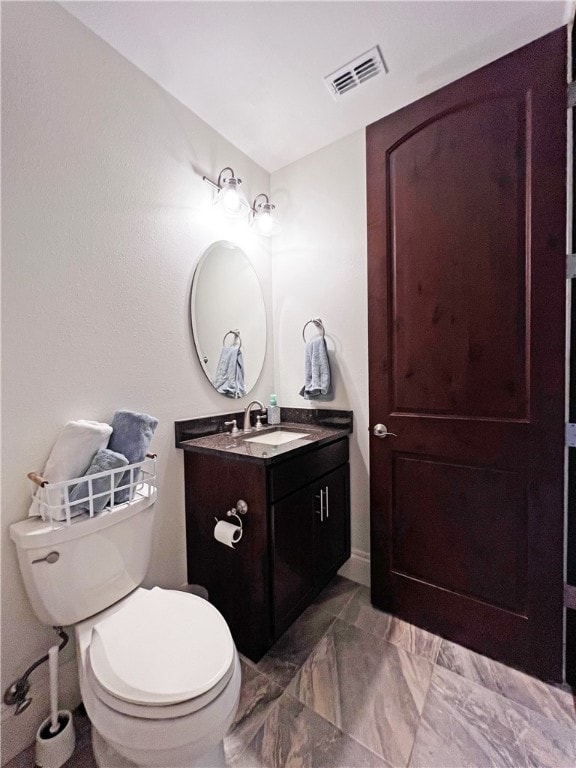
446, 357
466, 252
479, 515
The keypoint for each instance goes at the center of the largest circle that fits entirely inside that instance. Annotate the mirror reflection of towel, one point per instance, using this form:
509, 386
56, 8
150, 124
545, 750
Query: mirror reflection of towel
229, 378
317, 375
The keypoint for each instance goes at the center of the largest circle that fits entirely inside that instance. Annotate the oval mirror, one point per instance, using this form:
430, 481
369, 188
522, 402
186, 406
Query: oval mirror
228, 319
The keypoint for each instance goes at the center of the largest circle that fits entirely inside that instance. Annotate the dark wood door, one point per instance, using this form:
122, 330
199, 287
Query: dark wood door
331, 525
466, 243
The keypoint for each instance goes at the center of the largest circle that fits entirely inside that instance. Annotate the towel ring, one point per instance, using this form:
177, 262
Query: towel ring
318, 323
236, 335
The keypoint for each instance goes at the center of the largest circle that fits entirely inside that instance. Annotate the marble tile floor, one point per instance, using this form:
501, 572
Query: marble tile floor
348, 686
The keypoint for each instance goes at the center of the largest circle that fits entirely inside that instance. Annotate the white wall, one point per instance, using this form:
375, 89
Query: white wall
319, 270
104, 218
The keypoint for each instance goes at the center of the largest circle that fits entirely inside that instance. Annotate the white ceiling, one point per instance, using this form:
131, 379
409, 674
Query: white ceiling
254, 70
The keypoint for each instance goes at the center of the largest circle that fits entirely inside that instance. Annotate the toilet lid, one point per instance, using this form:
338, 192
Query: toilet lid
162, 647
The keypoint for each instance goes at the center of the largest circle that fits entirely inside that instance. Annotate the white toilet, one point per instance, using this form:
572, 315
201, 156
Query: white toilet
159, 673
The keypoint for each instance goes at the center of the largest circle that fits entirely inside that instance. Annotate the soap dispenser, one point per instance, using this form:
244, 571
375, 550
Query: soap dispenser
273, 411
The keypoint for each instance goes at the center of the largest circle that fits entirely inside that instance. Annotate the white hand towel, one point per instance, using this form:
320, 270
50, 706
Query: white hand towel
72, 453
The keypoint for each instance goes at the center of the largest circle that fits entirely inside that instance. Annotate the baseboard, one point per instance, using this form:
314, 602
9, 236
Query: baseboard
19, 731
357, 568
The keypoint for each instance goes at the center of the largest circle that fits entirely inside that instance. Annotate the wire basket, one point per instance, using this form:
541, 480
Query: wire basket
83, 497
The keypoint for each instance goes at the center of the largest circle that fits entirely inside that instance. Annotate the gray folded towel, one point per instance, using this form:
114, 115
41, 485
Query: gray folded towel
103, 460
317, 376
229, 378
131, 437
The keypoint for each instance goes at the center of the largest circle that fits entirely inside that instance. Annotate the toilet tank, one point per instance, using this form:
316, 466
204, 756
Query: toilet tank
95, 561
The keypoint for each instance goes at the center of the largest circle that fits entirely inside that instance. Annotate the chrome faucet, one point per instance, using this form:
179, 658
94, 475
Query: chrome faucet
247, 425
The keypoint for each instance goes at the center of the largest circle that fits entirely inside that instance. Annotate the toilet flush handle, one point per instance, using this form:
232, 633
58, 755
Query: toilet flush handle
51, 557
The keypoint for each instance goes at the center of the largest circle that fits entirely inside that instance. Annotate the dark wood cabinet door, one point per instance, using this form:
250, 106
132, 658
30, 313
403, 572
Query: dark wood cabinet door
331, 524
466, 244
292, 556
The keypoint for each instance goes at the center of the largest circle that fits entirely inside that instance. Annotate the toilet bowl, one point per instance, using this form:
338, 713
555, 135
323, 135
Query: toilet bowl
159, 673
160, 680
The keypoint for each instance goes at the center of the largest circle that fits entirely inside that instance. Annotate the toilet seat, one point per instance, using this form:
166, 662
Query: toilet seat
151, 712
161, 654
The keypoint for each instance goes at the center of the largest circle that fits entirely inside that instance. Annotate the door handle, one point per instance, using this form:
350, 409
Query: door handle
327, 504
381, 430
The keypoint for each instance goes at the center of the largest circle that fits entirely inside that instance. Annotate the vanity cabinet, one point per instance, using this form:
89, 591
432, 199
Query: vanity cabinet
296, 535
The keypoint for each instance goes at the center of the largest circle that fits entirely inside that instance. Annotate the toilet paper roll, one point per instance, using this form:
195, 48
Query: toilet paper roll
227, 533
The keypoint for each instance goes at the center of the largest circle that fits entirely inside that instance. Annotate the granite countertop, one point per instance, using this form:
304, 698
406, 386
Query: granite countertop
236, 446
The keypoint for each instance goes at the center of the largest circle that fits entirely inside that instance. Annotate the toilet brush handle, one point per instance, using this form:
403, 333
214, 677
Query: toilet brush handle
53, 670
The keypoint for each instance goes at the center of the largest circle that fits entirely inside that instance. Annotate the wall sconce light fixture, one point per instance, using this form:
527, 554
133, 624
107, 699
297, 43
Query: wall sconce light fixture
233, 202
230, 197
262, 216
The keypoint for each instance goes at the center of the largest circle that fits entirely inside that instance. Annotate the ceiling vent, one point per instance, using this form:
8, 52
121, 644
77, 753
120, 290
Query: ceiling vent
356, 72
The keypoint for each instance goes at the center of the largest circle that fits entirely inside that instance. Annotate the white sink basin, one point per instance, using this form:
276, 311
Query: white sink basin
277, 438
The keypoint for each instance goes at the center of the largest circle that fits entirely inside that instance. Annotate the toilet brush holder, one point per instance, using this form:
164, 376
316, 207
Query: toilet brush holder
53, 749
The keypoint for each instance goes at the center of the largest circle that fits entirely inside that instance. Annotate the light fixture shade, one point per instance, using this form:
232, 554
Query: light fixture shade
231, 199
264, 219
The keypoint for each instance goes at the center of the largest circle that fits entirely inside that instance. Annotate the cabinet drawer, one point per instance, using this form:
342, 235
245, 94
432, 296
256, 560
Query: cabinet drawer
301, 470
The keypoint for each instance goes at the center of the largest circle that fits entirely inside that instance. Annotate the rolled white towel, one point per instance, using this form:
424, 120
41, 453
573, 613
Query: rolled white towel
72, 453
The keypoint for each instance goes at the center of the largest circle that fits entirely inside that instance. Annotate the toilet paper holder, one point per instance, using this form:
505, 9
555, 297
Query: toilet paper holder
240, 509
